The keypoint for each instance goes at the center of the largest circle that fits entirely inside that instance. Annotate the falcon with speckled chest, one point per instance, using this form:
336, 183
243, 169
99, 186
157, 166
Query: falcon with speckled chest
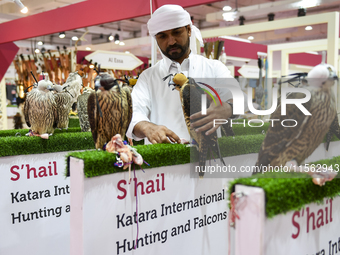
292, 145
109, 111
40, 109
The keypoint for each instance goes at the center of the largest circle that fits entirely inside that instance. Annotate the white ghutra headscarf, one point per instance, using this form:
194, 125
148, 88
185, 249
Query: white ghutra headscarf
171, 16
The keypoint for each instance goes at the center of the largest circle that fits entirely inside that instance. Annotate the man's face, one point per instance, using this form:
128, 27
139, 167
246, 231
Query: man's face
175, 43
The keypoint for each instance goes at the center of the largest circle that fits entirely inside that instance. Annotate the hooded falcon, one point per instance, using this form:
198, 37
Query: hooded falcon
40, 109
109, 110
66, 96
190, 94
290, 146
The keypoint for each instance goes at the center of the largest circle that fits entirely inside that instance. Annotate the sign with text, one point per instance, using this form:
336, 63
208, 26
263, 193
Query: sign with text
114, 60
162, 211
250, 72
312, 230
35, 205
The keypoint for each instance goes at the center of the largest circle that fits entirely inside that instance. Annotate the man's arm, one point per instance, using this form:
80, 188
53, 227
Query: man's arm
155, 133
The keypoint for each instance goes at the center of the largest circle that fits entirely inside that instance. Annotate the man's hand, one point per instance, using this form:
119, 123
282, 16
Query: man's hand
155, 133
206, 123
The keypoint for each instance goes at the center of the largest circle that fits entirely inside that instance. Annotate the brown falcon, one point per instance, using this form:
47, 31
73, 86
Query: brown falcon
190, 94
292, 145
109, 110
65, 96
40, 109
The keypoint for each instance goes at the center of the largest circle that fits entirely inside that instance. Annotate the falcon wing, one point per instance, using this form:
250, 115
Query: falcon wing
334, 129
26, 109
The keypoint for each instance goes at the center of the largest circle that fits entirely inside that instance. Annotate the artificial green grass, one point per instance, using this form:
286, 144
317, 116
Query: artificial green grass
98, 162
285, 194
64, 141
239, 129
23, 132
165, 154
73, 122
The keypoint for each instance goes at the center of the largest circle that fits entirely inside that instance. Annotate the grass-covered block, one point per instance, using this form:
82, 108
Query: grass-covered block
285, 194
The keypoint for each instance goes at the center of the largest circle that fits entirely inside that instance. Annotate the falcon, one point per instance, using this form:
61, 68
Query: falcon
190, 94
109, 110
65, 96
290, 146
40, 109
82, 109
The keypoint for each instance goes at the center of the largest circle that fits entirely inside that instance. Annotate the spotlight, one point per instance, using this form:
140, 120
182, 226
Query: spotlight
121, 43
127, 52
308, 28
91, 66
88, 48
74, 38
301, 12
271, 16
251, 38
116, 38
40, 43
23, 8
241, 20
43, 50
111, 38
62, 35
227, 8
37, 51
229, 16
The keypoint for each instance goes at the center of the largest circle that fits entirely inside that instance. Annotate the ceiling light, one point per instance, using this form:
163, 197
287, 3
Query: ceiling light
302, 12
111, 38
229, 16
241, 20
227, 8
309, 28
121, 43
116, 38
37, 51
251, 38
40, 43
308, 3
62, 35
74, 38
87, 48
271, 16
23, 8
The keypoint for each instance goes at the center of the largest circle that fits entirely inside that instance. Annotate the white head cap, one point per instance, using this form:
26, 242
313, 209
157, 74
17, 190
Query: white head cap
172, 16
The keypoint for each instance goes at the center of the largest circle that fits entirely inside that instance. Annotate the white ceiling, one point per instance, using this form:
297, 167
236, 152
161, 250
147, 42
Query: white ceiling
205, 17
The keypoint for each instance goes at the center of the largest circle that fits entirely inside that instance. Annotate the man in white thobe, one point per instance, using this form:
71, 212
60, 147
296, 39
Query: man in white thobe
157, 111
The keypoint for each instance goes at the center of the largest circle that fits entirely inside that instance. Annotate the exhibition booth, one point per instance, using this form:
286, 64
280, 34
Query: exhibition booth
61, 195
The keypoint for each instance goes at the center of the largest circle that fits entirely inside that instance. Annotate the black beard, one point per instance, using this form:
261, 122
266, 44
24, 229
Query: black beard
177, 55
